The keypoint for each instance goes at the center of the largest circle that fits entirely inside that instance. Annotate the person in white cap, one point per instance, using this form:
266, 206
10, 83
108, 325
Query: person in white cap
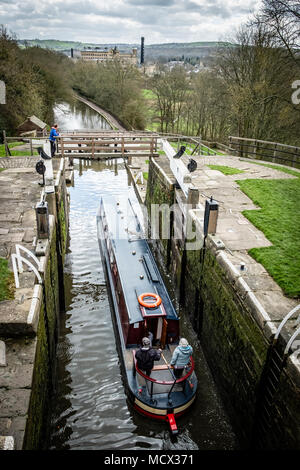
181, 357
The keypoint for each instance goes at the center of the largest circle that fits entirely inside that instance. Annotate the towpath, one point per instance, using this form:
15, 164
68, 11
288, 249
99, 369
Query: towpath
19, 193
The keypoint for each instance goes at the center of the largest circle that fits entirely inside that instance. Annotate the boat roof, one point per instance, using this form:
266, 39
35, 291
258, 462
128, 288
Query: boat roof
136, 266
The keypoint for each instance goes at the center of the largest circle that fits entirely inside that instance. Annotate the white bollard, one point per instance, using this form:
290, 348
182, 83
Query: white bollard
3, 362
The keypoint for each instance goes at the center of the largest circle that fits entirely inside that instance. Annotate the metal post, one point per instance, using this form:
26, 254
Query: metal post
193, 197
7, 151
210, 216
42, 219
274, 154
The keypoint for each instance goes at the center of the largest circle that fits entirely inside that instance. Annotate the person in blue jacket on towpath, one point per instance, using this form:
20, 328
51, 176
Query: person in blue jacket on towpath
53, 134
181, 357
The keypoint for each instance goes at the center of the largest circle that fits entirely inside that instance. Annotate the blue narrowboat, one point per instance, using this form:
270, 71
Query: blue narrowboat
141, 304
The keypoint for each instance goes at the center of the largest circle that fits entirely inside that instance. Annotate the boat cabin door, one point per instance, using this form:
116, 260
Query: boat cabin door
158, 327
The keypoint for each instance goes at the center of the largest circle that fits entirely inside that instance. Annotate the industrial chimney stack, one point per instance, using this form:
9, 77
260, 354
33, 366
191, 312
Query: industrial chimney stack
142, 50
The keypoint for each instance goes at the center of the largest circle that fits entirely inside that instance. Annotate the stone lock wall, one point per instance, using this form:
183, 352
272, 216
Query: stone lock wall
46, 332
160, 190
48, 307
235, 348
235, 332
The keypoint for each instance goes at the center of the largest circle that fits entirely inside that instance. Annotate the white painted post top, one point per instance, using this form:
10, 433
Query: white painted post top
178, 168
49, 183
3, 362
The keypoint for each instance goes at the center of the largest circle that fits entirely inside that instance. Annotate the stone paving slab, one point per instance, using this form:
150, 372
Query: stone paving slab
19, 193
233, 228
237, 232
20, 354
14, 427
7, 443
136, 166
14, 404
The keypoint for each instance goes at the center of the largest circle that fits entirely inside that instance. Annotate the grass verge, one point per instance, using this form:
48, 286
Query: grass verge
279, 220
16, 153
226, 170
6, 281
280, 168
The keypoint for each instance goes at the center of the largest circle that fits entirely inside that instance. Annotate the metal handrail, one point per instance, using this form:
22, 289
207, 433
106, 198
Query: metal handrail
286, 318
291, 340
163, 382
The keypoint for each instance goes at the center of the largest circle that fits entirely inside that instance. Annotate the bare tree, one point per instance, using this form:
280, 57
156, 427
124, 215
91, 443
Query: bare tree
257, 75
282, 18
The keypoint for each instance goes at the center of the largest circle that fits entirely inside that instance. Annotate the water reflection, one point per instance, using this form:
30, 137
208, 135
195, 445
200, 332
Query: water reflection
78, 116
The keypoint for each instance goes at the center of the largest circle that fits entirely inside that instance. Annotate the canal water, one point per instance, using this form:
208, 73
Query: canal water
89, 407
78, 116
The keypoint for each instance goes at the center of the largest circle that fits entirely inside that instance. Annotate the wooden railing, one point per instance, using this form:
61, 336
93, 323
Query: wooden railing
265, 150
92, 144
198, 146
112, 144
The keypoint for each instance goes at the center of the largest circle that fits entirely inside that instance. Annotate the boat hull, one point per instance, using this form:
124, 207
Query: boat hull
161, 406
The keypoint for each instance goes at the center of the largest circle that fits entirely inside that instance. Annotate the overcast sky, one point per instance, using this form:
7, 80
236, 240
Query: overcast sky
125, 21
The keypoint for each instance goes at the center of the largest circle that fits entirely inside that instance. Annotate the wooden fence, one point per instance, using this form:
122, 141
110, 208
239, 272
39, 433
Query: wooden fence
199, 147
108, 145
95, 145
265, 150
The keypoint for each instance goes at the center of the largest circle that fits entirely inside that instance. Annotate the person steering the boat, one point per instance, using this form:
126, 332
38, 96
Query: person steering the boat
181, 357
146, 356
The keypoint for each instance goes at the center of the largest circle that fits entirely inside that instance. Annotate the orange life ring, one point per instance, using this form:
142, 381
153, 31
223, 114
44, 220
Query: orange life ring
149, 305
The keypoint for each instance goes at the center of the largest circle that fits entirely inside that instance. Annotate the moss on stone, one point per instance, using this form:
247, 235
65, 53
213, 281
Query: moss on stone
40, 389
45, 352
62, 227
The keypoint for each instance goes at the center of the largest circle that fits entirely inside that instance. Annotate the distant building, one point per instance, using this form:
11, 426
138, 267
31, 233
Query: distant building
175, 63
103, 56
33, 126
150, 69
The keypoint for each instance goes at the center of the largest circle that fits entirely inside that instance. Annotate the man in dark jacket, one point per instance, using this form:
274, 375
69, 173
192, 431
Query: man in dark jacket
146, 356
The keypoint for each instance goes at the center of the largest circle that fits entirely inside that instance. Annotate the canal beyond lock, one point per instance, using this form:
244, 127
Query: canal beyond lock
89, 407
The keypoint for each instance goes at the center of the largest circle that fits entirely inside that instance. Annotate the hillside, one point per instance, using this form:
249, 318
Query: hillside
167, 51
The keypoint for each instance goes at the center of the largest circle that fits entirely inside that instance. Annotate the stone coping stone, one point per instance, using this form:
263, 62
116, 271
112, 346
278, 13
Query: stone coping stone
256, 288
3, 362
14, 313
14, 403
7, 443
13, 427
20, 356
